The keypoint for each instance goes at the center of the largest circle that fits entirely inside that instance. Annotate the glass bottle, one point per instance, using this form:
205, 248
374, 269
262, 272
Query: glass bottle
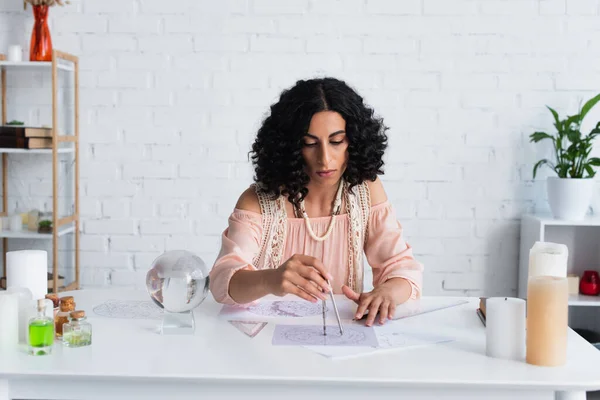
41, 331
67, 304
77, 332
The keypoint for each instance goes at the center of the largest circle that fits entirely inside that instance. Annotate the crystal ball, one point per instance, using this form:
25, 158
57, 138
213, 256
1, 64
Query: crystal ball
178, 281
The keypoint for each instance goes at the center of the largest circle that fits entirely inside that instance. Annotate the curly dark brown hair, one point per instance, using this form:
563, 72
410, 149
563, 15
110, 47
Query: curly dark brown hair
277, 151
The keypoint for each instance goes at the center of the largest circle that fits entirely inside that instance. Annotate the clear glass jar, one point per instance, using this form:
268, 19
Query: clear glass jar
77, 332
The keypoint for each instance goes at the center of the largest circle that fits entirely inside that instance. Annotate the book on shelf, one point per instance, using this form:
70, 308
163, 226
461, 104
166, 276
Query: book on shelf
25, 131
10, 142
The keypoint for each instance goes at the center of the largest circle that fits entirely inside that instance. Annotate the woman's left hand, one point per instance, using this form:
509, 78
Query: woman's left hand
380, 302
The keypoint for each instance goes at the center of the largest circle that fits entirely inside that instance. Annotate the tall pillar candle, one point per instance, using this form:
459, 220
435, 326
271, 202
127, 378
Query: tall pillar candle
548, 259
28, 269
26, 310
505, 328
547, 320
9, 314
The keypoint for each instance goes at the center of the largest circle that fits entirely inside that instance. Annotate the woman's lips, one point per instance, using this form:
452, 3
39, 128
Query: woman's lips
326, 174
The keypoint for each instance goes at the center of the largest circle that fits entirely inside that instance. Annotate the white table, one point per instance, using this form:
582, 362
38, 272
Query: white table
128, 360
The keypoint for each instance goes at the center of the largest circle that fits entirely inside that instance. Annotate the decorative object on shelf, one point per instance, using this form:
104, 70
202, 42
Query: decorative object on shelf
178, 282
33, 218
28, 269
9, 312
45, 226
547, 258
16, 223
505, 328
41, 331
15, 53
573, 280
570, 192
15, 122
590, 283
547, 320
77, 332
41, 41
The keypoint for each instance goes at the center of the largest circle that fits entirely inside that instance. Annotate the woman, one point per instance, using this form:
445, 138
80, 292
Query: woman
317, 205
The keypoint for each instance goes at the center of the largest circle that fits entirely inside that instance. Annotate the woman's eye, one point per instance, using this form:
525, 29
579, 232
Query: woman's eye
337, 143
310, 144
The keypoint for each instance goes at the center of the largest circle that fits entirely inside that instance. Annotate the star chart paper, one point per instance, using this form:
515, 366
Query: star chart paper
312, 335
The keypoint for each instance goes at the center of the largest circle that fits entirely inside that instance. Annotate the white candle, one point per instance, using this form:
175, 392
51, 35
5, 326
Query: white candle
16, 223
9, 310
548, 259
28, 269
505, 328
15, 53
26, 310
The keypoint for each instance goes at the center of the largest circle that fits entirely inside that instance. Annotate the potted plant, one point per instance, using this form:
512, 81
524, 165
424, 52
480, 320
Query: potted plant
570, 192
45, 226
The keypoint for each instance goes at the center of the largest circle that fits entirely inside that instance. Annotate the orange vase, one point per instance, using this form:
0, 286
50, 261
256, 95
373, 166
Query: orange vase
41, 42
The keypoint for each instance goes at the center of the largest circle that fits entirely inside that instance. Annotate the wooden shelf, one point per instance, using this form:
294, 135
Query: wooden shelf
583, 300
30, 64
36, 151
61, 61
25, 234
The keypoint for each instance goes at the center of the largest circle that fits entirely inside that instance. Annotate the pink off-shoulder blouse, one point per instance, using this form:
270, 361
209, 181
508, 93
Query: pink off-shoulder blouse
387, 253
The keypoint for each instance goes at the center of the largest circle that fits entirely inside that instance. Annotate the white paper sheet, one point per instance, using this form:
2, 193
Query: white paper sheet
302, 335
129, 309
391, 336
271, 309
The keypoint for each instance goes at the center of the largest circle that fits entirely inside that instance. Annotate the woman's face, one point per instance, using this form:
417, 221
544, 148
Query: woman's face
325, 148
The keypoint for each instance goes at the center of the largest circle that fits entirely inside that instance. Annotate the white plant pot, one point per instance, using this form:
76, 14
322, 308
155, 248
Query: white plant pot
569, 198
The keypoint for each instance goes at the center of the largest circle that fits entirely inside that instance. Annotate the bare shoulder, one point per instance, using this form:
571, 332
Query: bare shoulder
377, 191
248, 201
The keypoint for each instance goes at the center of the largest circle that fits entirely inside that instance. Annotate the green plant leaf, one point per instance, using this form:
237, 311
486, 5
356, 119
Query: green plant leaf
539, 164
595, 161
574, 136
556, 119
573, 119
590, 170
537, 136
562, 169
589, 105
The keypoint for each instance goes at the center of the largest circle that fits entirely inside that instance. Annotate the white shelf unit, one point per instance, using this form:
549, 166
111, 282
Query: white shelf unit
24, 234
61, 144
583, 241
37, 64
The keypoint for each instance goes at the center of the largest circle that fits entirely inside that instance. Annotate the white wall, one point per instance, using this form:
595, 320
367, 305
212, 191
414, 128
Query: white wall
172, 93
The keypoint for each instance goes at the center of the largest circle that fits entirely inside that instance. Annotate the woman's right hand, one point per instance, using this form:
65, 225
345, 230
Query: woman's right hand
301, 275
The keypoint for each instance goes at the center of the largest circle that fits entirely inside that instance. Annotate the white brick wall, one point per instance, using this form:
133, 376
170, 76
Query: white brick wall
173, 92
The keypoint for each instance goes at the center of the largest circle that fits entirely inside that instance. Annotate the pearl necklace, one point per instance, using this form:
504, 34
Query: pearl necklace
337, 205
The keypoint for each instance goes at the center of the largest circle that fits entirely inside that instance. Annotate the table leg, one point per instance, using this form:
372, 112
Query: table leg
570, 395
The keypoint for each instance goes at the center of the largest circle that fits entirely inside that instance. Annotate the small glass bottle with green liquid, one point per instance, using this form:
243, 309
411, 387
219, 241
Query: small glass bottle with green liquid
77, 332
41, 331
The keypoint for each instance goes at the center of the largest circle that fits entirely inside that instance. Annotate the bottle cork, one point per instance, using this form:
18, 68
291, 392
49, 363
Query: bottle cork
77, 314
67, 303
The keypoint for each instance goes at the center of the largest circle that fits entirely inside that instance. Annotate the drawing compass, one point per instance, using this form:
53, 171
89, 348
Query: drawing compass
337, 314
